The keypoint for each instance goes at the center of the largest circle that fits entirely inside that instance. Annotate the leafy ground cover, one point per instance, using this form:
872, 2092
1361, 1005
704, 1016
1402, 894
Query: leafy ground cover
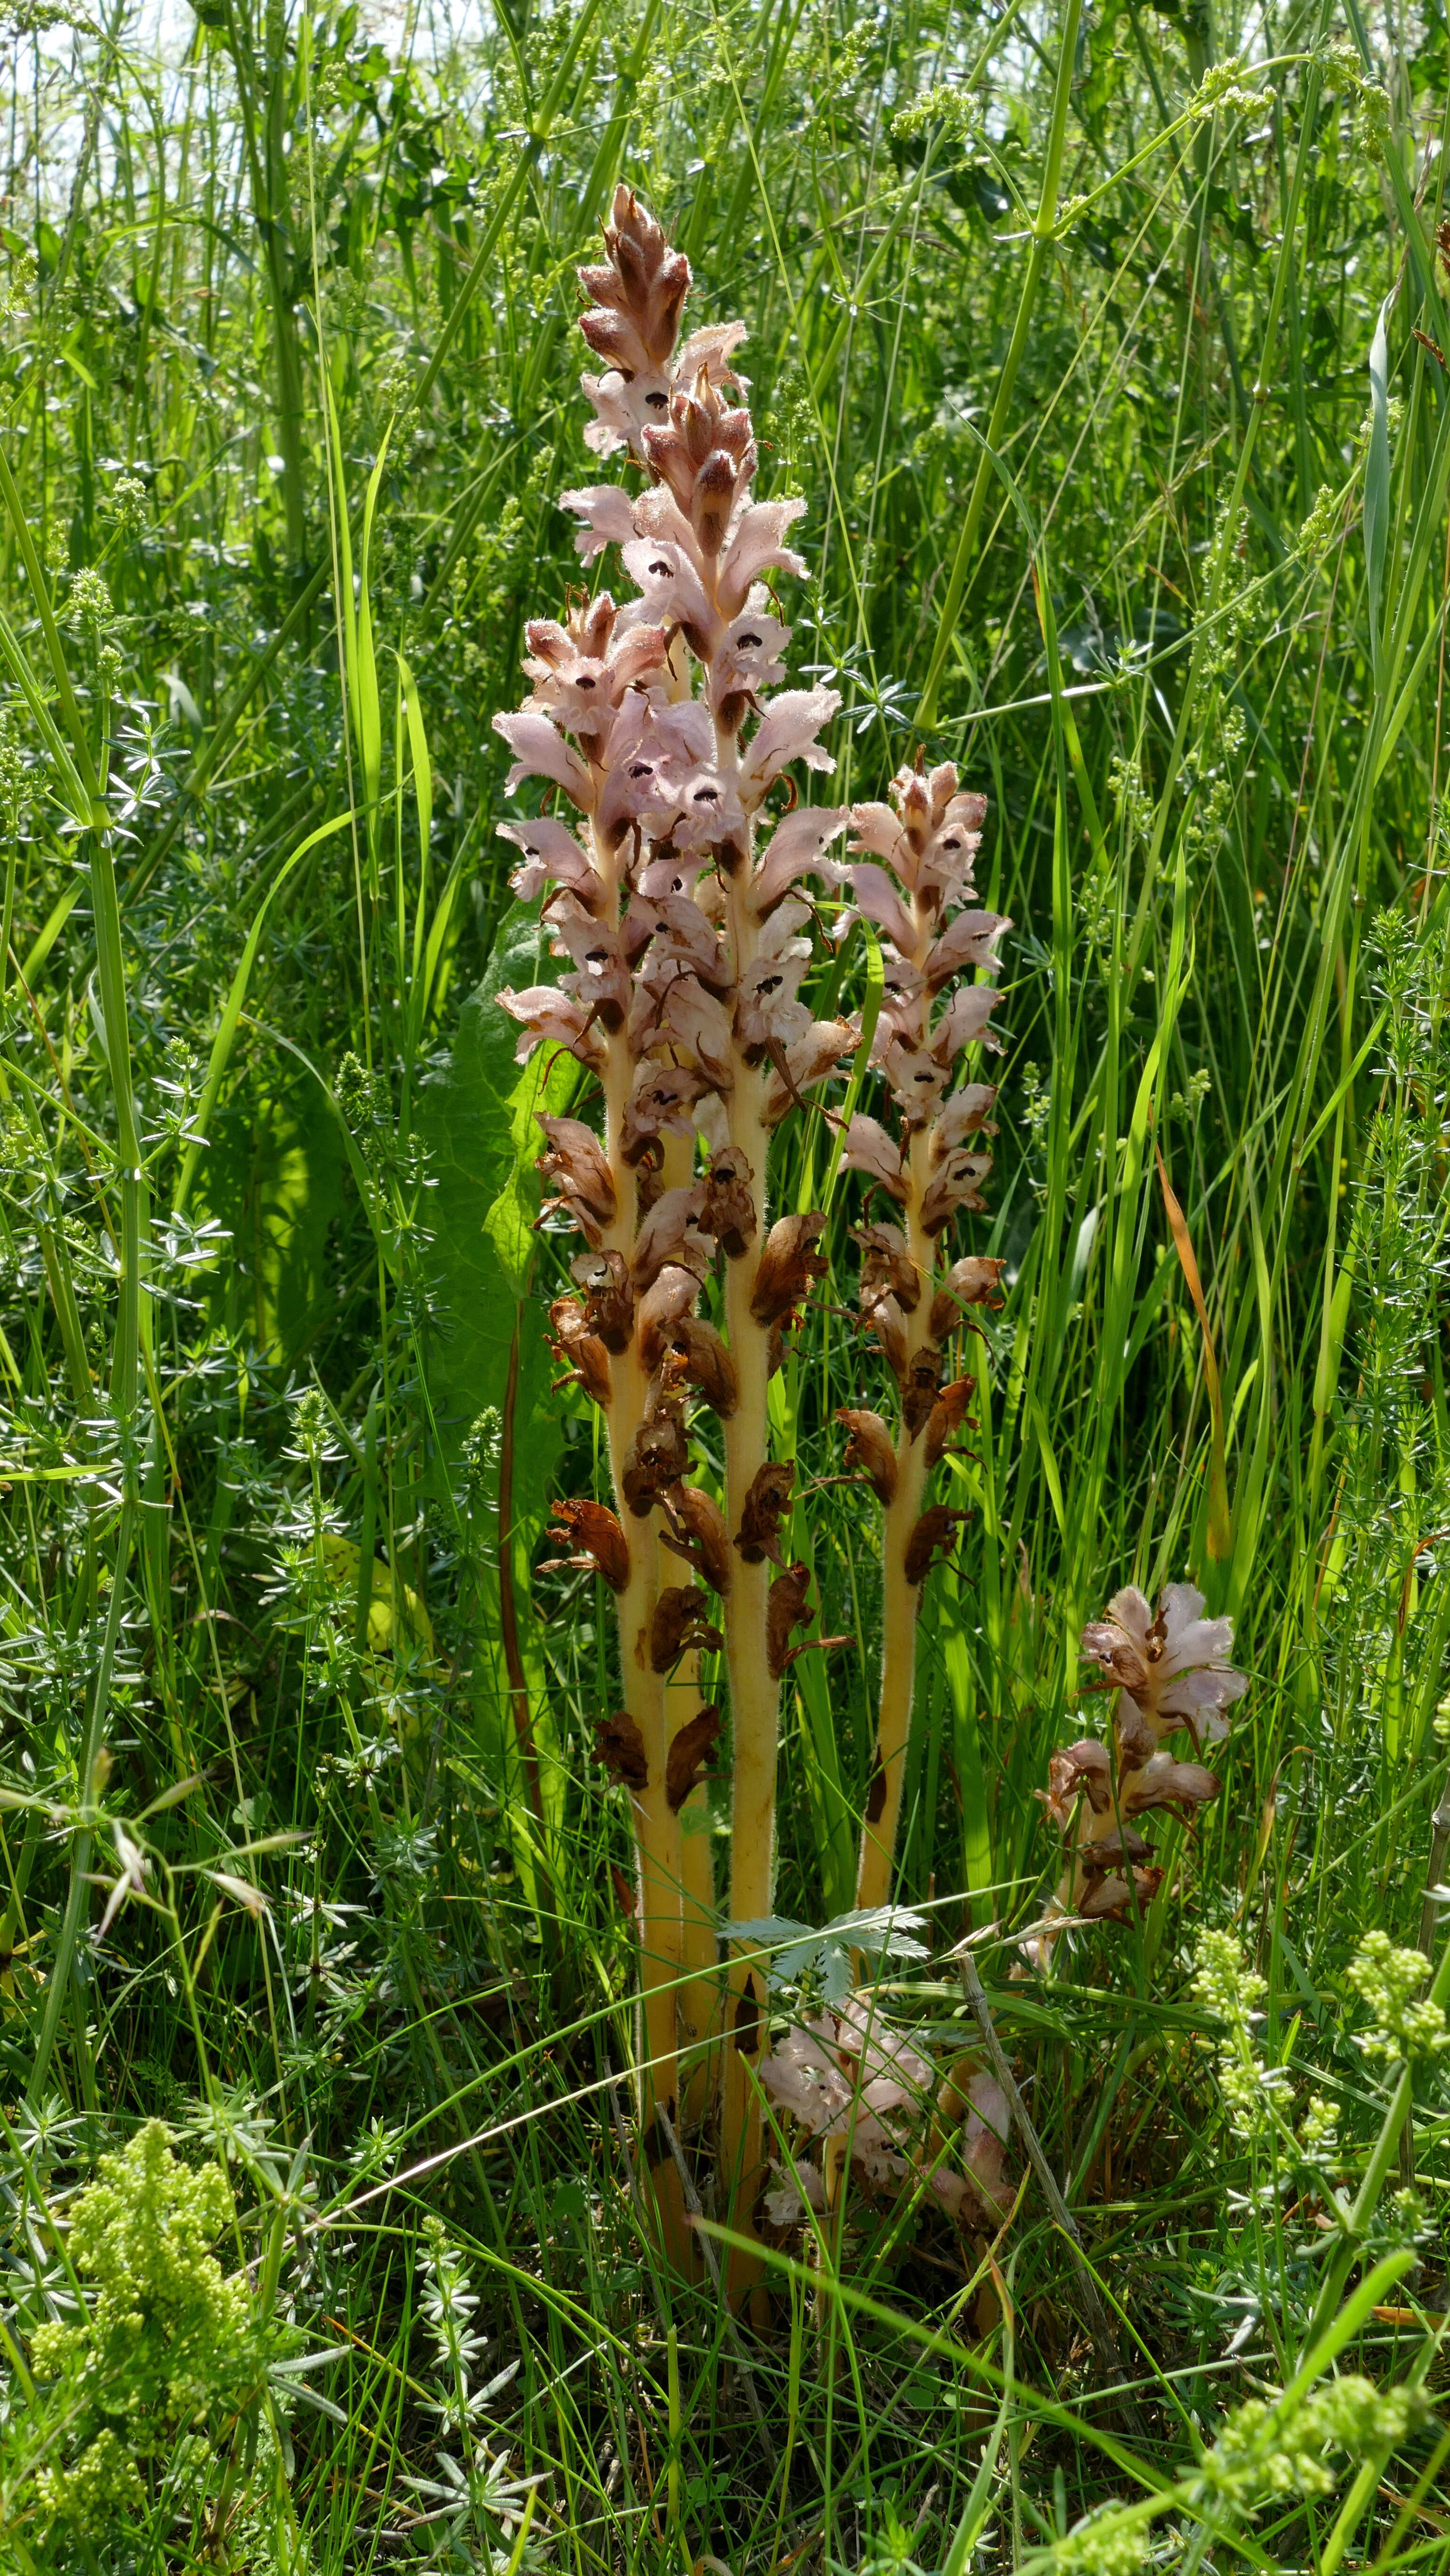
1127, 475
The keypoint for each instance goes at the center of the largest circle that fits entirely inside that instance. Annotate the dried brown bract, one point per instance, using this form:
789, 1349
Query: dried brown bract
789, 1262
608, 1297
766, 1506
593, 1529
697, 1531
951, 1409
930, 1539
571, 1340
681, 1624
684, 1767
787, 1609
871, 1448
619, 1746
658, 1457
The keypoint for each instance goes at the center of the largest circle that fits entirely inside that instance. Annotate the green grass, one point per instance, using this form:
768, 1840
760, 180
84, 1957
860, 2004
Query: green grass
1184, 623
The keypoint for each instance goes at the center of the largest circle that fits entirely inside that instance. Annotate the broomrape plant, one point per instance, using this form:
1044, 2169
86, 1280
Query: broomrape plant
679, 902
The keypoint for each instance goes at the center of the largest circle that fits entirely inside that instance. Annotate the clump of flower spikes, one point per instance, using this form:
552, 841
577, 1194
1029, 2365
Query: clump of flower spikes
1173, 1678
678, 902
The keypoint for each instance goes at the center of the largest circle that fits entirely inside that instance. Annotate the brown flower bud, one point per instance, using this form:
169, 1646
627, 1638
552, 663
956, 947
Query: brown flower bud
887, 1269
583, 1352
932, 1537
619, 1745
679, 1624
727, 1205
593, 1529
970, 1282
870, 1447
710, 502
788, 1264
608, 1297
575, 1159
765, 1507
658, 1457
785, 1609
697, 1532
919, 1389
685, 1760
947, 1414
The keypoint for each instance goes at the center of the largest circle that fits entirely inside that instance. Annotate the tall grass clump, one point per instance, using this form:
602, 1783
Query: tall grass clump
610, 1958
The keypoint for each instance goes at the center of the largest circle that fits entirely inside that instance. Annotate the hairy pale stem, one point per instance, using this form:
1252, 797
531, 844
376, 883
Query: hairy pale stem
656, 1829
754, 1691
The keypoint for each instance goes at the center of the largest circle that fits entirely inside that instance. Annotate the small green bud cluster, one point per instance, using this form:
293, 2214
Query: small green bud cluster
1403, 2023
1185, 1104
163, 2346
1322, 525
310, 1427
19, 297
1371, 100
1132, 797
958, 111
129, 504
1264, 2451
88, 611
1224, 91
482, 1450
1232, 1991
1105, 2544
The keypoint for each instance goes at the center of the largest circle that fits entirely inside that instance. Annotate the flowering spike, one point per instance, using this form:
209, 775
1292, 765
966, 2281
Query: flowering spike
1171, 1677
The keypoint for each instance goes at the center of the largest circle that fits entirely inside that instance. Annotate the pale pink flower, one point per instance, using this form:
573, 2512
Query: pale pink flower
971, 940
757, 545
964, 1114
670, 586
552, 1018
878, 899
954, 1185
541, 752
824, 1046
787, 731
684, 938
746, 663
553, 856
797, 848
701, 1025
671, 1235
964, 1021
1174, 1667
602, 979
869, 1149
699, 812
605, 515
